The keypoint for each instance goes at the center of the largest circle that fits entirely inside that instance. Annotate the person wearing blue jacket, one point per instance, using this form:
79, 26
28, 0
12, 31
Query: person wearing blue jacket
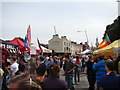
100, 69
110, 81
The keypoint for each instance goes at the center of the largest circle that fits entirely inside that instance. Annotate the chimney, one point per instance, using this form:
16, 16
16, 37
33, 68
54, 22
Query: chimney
63, 37
56, 35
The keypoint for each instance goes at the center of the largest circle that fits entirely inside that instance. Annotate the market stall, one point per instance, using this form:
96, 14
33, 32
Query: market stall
108, 49
87, 51
45, 50
18, 42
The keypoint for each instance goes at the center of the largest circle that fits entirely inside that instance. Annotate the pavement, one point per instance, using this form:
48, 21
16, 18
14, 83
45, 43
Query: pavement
83, 85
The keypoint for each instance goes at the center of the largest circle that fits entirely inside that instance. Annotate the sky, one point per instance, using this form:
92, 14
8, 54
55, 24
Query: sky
67, 16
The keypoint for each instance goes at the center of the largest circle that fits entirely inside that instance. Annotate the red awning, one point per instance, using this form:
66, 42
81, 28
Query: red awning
19, 43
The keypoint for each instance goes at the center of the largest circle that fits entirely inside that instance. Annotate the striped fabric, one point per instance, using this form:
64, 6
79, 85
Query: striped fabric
100, 69
105, 42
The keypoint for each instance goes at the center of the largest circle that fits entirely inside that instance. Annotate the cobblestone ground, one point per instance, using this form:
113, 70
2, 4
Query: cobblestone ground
83, 85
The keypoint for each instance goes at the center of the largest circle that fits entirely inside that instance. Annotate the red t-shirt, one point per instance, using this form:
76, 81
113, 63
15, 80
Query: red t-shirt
77, 62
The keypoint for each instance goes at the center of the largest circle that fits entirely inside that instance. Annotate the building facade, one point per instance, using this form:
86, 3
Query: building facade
76, 48
64, 46
60, 45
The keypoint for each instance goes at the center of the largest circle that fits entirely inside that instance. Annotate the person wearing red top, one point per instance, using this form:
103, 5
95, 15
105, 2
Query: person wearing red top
77, 70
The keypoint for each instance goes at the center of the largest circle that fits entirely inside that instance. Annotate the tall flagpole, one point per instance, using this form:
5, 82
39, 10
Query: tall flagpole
55, 29
86, 36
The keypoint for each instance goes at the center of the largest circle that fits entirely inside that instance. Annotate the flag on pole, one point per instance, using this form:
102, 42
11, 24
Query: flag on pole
29, 37
27, 41
86, 45
41, 51
105, 42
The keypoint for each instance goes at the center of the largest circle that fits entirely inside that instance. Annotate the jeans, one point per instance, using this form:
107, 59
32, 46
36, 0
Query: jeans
77, 73
91, 80
69, 80
98, 86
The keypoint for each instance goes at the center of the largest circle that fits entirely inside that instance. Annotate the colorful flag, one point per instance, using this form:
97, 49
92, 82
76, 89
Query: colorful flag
105, 42
41, 51
86, 45
27, 41
29, 37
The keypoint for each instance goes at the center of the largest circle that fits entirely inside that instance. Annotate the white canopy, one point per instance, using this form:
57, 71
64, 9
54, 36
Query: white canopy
45, 50
86, 51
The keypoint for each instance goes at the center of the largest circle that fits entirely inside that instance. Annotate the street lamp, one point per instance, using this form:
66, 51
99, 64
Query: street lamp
85, 34
118, 1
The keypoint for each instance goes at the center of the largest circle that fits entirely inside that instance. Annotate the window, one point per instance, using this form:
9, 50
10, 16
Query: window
64, 43
69, 43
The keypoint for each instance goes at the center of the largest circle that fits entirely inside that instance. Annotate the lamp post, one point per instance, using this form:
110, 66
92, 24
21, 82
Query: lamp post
85, 34
118, 1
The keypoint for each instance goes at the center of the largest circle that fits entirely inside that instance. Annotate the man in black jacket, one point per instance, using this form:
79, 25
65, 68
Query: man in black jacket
91, 75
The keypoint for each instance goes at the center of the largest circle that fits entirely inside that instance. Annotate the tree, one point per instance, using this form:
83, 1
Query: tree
113, 30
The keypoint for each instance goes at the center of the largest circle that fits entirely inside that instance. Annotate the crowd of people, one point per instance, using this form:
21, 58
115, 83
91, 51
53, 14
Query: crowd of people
43, 72
104, 72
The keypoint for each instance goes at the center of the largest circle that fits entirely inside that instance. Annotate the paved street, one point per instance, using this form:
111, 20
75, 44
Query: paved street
83, 82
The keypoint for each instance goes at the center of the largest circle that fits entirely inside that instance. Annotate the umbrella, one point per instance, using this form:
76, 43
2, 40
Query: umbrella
116, 51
